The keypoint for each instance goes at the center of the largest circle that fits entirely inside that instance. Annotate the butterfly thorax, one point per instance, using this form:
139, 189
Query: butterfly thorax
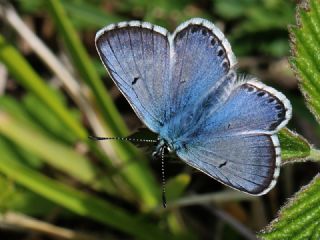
178, 129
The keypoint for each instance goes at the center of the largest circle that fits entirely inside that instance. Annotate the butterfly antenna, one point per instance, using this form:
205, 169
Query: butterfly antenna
164, 199
122, 139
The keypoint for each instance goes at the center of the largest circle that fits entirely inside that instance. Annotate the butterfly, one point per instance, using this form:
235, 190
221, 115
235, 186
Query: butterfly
184, 87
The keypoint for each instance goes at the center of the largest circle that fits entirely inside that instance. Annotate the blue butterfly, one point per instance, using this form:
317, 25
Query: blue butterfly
184, 87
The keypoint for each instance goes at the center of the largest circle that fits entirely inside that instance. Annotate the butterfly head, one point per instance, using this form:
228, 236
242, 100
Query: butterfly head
162, 145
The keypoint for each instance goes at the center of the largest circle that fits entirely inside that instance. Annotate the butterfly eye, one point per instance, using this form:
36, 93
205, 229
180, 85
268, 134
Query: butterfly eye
170, 150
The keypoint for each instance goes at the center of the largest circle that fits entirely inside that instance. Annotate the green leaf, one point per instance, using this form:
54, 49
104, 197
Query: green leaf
305, 47
293, 146
300, 218
176, 186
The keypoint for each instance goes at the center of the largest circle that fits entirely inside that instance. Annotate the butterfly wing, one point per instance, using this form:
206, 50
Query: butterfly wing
201, 56
136, 55
237, 144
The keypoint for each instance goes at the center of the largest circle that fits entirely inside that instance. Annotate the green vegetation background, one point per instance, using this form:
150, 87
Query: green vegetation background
51, 101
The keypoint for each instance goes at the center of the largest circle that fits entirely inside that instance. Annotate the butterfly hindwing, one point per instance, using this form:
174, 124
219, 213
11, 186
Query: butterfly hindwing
249, 163
236, 144
136, 55
251, 107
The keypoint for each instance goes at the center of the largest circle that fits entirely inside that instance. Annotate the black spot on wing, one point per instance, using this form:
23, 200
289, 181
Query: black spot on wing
194, 29
220, 53
213, 41
204, 32
261, 94
135, 79
225, 66
222, 164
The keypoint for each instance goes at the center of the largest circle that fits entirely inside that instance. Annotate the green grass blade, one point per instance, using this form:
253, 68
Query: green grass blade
47, 120
86, 69
31, 110
78, 202
26, 76
300, 218
15, 198
52, 152
135, 172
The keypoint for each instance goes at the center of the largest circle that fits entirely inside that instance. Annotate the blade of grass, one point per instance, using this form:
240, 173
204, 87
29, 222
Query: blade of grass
78, 202
52, 152
21, 115
136, 173
23, 72
86, 69
69, 83
26, 76
46, 119
19, 199
25, 222
223, 196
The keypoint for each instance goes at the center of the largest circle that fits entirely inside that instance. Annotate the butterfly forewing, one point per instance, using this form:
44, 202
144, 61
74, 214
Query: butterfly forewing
136, 55
201, 57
